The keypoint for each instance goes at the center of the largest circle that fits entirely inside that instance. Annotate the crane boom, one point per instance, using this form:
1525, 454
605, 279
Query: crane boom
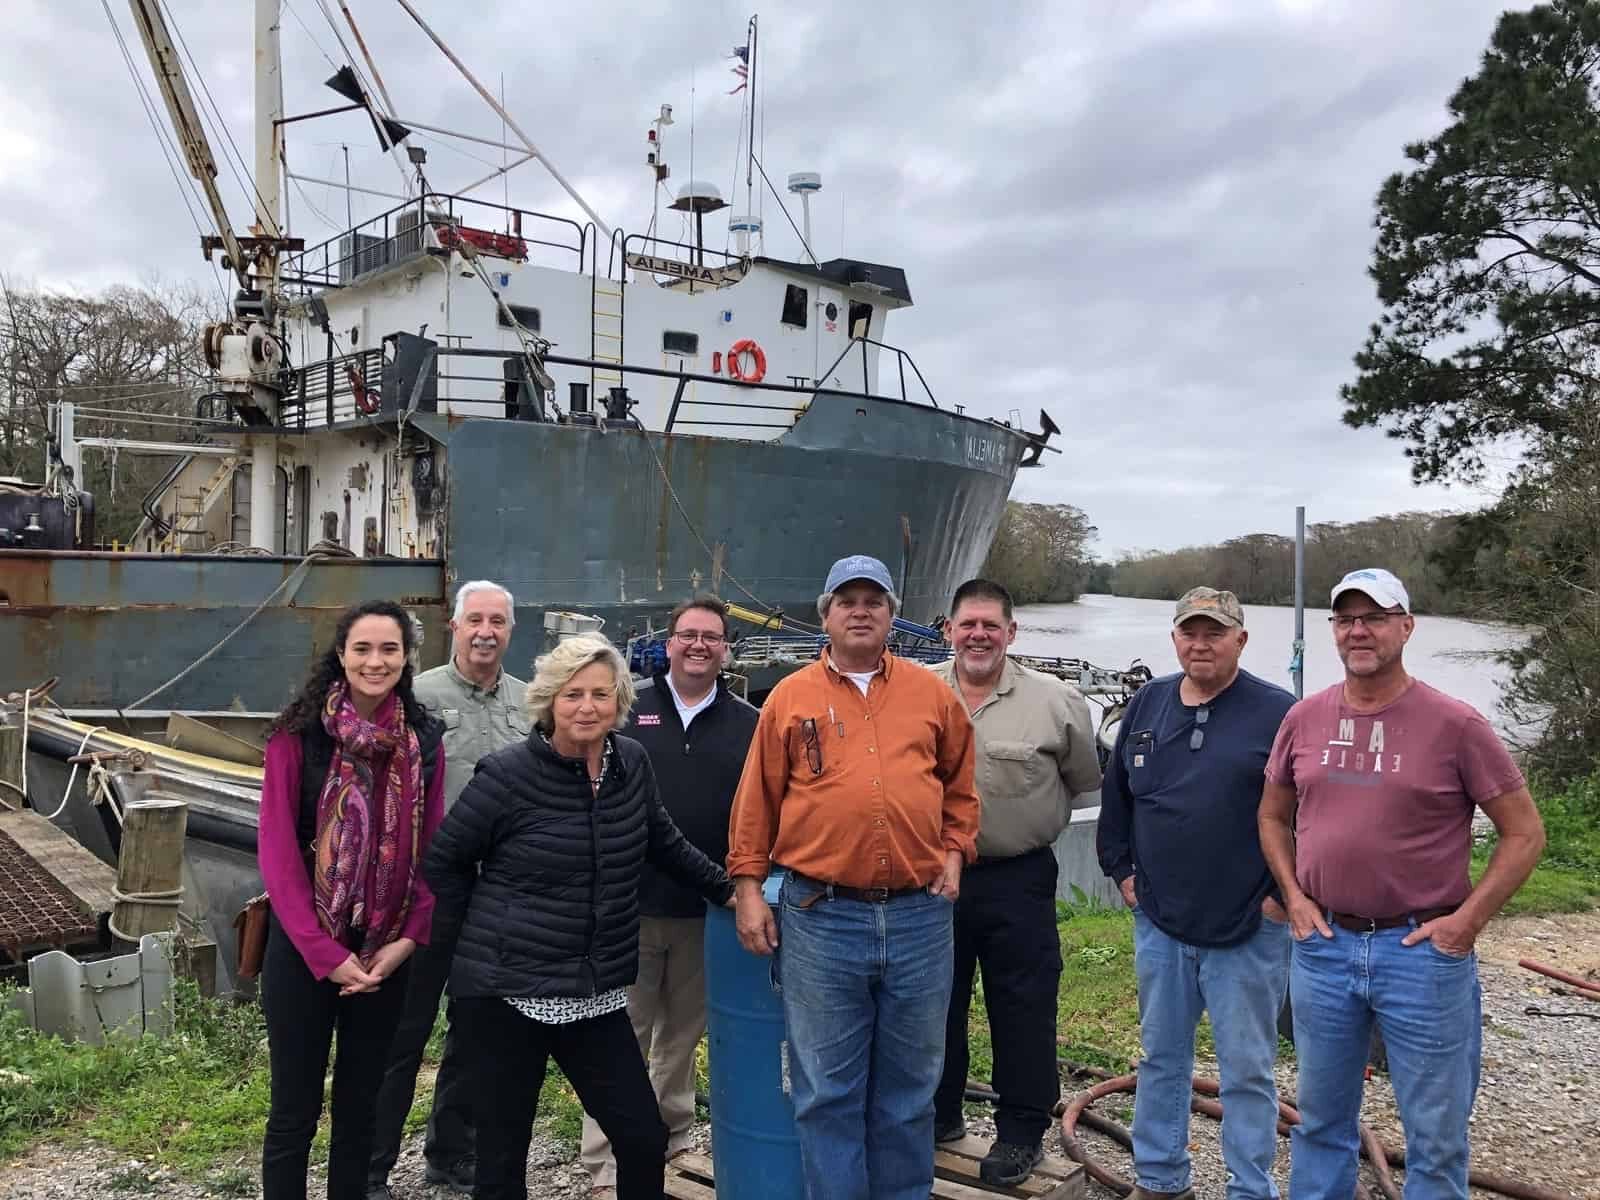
202, 164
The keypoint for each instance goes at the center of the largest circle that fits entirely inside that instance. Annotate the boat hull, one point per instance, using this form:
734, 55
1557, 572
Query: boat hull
617, 523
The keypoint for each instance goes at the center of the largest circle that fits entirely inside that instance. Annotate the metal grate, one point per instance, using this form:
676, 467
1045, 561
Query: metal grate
36, 909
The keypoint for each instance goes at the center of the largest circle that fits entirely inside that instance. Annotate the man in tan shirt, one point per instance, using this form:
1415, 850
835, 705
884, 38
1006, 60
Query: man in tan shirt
1035, 753
859, 784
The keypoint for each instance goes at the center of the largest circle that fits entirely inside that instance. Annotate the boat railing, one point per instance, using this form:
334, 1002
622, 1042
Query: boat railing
901, 360
341, 388
407, 372
436, 222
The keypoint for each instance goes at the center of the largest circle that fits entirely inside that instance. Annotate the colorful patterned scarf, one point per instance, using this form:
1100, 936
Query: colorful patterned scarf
365, 861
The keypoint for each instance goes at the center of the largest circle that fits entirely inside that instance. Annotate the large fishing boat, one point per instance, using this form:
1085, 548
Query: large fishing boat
454, 388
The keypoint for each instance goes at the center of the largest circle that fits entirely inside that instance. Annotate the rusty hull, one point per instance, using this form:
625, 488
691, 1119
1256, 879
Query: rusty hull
116, 626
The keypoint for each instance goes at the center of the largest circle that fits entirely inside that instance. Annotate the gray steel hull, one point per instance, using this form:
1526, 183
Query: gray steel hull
567, 517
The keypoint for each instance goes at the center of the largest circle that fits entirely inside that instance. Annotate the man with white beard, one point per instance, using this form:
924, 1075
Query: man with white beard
482, 710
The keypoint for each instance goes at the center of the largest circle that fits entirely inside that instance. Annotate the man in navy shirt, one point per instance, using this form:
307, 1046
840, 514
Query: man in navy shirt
1178, 834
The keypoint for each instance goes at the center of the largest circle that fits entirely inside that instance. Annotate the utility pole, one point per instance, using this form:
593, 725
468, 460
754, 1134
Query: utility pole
1297, 659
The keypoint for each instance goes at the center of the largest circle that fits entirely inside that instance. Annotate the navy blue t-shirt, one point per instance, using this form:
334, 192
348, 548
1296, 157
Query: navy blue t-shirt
1183, 821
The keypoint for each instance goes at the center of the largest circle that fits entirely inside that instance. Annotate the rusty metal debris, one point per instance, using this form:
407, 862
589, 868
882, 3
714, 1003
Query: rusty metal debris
36, 911
1587, 988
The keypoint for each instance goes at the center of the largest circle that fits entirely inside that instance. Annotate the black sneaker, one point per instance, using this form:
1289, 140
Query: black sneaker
1008, 1164
459, 1176
379, 1191
945, 1132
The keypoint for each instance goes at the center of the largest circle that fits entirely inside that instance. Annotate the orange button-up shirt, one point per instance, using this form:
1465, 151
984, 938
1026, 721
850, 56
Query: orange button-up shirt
864, 791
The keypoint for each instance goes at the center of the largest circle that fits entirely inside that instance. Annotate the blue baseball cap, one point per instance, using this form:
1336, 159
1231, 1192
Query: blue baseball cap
858, 566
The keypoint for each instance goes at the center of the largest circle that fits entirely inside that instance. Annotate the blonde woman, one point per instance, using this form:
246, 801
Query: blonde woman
536, 872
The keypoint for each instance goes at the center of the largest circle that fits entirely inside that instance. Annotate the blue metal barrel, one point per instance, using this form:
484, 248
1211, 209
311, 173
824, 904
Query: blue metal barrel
754, 1150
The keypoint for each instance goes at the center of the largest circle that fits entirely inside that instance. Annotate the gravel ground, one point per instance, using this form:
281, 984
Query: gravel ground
1534, 1120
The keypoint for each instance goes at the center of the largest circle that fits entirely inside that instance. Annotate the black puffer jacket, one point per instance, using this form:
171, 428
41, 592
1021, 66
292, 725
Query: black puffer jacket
536, 879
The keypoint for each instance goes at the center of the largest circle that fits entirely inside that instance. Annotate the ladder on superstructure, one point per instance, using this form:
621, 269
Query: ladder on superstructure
605, 333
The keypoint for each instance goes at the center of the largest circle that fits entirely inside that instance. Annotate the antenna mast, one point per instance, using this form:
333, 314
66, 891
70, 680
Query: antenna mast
750, 163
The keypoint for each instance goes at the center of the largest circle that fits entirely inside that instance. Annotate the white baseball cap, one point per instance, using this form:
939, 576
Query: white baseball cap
1383, 586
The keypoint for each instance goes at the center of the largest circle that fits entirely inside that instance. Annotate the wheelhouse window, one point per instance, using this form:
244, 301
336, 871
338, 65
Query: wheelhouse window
676, 341
795, 306
527, 317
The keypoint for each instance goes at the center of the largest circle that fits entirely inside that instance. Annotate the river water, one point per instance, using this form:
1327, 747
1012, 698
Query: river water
1112, 631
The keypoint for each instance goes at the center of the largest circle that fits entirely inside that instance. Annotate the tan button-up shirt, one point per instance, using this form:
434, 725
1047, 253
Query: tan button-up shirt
476, 721
1036, 752
864, 791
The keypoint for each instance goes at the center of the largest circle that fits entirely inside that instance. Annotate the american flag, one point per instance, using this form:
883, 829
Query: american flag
741, 69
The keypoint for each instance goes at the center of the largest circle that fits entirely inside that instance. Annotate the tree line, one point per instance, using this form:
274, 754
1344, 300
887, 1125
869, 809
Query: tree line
1040, 553
129, 360
1259, 567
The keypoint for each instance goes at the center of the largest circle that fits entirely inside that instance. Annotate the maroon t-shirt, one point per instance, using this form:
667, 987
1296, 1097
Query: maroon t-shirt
1386, 798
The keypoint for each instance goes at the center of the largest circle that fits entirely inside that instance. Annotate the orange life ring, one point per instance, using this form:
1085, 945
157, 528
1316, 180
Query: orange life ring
750, 346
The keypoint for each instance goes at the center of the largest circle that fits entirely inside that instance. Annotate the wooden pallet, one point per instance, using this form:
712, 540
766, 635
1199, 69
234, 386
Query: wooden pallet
955, 1168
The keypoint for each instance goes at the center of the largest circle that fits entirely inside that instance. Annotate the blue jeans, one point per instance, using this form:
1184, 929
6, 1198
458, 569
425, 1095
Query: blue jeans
865, 991
1427, 1005
1242, 987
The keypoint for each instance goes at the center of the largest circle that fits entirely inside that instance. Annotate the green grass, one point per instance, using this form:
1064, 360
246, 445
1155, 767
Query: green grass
184, 1103
1552, 888
1567, 878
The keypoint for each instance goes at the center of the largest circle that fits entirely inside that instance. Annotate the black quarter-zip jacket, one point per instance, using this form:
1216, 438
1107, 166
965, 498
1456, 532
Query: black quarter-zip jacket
536, 878
698, 772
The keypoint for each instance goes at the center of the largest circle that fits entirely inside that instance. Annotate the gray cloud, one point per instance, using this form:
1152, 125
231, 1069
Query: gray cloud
1153, 220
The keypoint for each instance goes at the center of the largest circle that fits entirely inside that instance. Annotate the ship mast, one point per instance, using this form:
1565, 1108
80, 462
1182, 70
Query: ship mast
244, 351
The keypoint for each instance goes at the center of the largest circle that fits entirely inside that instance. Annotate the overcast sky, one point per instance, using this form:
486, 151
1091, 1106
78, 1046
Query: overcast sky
1151, 219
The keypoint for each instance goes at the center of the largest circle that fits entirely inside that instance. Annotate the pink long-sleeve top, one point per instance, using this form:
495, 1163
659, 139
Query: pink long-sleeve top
283, 867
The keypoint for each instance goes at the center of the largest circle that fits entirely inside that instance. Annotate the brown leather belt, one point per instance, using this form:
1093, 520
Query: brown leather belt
839, 891
1358, 924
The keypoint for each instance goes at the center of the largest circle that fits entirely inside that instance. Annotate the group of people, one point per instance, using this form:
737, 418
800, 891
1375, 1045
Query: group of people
545, 853
462, 831
1317, 850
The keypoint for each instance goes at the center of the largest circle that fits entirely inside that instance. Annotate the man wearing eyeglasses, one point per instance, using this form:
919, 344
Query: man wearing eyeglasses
1177, 832
1366, 820
860, 783
696, 733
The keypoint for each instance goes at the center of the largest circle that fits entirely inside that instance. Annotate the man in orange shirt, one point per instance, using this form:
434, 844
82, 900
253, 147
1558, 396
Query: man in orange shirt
859, 785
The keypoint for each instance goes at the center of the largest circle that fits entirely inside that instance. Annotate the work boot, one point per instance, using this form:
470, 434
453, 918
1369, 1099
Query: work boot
945, 1132
458, 1176
1140, 1193
1009, 1163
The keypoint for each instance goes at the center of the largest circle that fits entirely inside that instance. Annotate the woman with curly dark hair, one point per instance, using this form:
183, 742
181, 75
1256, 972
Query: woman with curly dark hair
352, 791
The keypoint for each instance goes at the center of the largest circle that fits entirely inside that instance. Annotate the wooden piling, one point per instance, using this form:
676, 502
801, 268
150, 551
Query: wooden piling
11, 752
150, 866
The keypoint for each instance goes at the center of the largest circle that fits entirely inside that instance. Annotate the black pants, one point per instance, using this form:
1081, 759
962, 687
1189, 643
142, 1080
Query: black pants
507, 1053
302, 1014
450, 1135
1006, 925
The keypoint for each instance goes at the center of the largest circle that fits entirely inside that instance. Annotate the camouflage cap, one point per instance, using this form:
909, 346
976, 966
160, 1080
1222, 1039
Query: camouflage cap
1222, 607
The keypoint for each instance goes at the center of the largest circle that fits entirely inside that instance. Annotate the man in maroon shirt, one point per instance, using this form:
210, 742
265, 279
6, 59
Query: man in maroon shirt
1366, 823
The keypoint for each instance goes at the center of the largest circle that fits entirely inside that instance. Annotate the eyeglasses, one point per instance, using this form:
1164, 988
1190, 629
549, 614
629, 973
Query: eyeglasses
1198, 737
808, 731
1372, 620
688, 637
